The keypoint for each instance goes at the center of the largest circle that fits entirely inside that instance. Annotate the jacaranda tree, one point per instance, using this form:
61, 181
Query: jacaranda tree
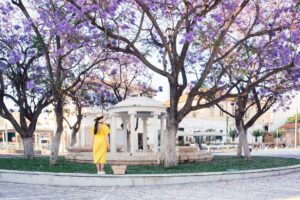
188, 40
267, 72
21, 87
69, 50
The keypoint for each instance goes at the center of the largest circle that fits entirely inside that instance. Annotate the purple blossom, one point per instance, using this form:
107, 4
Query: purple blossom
14, 57
31, 52
39, 90
2, 66
103, 68
193, 83
297, 60
188, 37
124, 27
113, 72
30, 85
295, 36
230, 5
17, 27
59, 52
217, 18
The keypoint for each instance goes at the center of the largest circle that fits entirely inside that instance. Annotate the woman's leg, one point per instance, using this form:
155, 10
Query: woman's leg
102, 167
98, 167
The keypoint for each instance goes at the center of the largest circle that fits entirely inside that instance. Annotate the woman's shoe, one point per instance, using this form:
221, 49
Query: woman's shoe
101, 172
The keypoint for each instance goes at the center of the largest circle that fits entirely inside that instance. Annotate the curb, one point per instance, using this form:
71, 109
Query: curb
88, 180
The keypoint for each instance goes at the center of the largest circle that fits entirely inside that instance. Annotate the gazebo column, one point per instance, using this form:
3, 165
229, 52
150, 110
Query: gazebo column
133, 135
35, 140
77, 144
62, 146
113, 134
162, 132
3, 139
124, 120
155, 132
82, 137
144, 134
6, 137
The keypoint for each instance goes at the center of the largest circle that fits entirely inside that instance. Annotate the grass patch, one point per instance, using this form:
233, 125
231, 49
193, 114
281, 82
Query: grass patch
218, 164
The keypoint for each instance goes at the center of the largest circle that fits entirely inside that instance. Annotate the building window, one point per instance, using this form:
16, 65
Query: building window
180, 129
266, 127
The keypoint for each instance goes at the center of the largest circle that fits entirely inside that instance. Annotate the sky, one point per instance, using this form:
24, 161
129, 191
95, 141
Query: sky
159, 80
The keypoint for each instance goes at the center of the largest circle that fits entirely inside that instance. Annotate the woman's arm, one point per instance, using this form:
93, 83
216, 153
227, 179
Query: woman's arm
107, 142
92, 142
93, 136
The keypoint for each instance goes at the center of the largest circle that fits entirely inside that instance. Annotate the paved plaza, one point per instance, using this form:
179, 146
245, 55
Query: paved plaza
269, 188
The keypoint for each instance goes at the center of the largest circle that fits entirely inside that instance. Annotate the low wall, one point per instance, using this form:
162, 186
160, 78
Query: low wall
14, 151
184, 154
83, 180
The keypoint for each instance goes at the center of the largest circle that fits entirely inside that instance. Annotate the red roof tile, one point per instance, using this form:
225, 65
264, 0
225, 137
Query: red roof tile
289, 126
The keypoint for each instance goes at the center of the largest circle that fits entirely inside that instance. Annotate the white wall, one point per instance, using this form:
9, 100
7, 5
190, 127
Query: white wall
280, 116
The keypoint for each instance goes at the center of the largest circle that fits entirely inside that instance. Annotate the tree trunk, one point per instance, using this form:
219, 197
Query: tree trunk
57, 138
240, 144
243, 142
170, 141
28, 148
246, 146
73, 137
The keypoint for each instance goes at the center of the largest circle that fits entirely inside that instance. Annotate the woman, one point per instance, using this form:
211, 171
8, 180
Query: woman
100, 142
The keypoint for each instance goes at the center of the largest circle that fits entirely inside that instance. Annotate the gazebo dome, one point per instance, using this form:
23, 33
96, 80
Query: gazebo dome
139, 102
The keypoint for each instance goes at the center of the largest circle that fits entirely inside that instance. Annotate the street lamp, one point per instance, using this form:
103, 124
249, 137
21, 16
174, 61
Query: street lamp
277, 138
296, 127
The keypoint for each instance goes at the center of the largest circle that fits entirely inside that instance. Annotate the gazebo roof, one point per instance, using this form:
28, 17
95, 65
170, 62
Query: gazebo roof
139, 102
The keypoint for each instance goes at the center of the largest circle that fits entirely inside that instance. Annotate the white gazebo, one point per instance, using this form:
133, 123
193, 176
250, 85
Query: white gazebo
137, 125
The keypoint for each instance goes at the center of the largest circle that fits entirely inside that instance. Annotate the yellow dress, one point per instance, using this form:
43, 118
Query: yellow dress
100, 144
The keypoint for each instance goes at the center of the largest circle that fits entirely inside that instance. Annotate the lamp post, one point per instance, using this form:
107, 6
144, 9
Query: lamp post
5, 136
277, 138
296, 127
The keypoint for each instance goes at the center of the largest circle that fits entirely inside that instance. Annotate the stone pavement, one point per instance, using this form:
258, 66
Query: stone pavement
285, 187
